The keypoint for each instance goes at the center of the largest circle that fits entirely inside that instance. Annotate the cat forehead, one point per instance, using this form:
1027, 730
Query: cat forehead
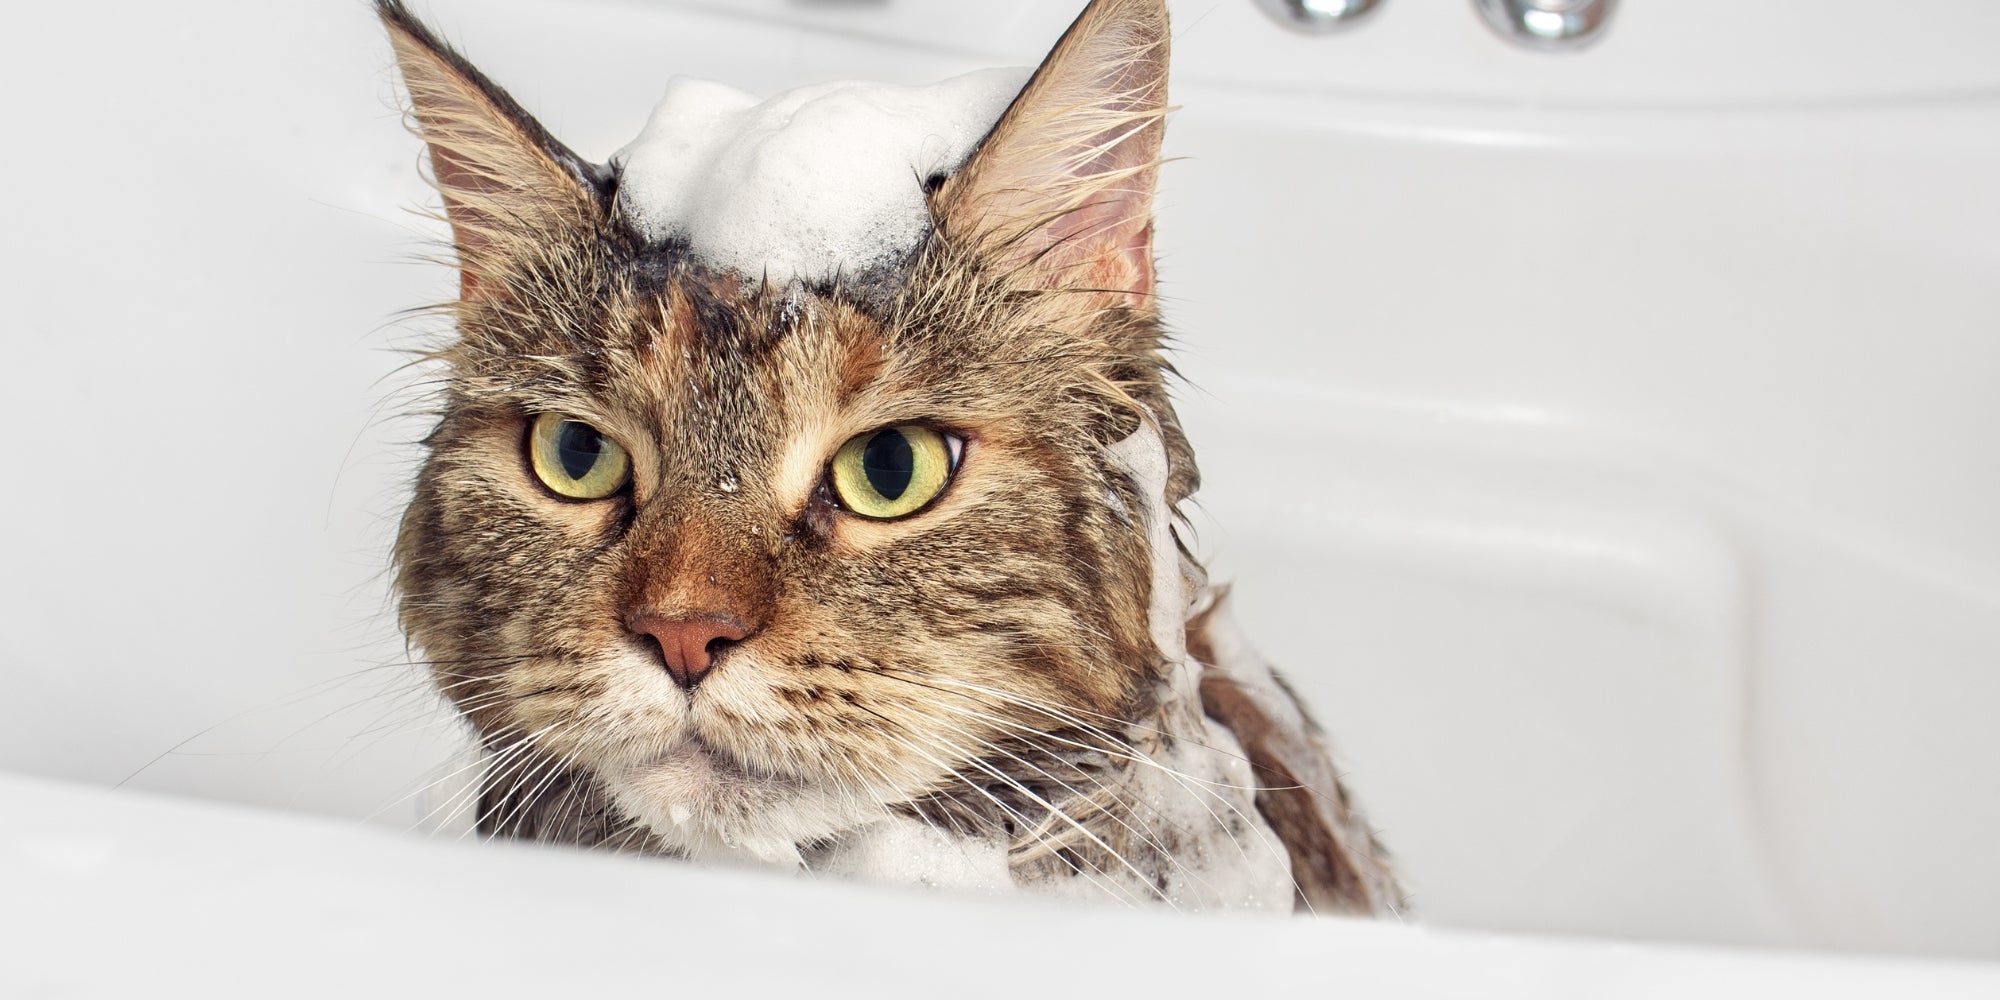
815, 183
721, 375
702, 338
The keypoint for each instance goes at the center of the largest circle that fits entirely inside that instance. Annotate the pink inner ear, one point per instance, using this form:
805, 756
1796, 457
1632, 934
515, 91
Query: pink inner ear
455, 179
1139, 258
1126, 67
1106, 244
1069, 169
488, 158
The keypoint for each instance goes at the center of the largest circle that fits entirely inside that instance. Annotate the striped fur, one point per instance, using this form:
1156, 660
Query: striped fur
984, 666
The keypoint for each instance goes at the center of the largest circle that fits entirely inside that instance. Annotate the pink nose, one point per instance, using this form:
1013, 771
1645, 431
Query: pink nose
688, 645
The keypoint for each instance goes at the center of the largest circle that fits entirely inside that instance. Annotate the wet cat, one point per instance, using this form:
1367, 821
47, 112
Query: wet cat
856, 560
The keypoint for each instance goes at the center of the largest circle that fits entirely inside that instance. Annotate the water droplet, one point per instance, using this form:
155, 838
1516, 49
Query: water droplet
756, 529
711, 577
726, 484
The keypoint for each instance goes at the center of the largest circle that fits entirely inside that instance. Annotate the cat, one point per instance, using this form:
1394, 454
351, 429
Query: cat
873, 571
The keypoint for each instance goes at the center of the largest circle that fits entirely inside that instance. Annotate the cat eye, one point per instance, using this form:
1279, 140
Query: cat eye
895, 471
575, 459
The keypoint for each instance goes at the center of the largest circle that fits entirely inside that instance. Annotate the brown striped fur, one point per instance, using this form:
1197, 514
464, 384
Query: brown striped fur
985, 665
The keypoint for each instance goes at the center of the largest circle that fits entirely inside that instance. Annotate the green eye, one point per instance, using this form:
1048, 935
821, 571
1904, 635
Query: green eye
894, 471
575, 459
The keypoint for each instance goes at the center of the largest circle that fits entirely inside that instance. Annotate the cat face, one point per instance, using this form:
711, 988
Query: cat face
718, 564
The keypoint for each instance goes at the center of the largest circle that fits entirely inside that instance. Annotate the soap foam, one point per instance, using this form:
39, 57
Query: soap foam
908, 851
812, 183
1196, 784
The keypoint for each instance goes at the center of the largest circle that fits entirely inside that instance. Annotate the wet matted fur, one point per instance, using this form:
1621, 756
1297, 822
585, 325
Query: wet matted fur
992, 666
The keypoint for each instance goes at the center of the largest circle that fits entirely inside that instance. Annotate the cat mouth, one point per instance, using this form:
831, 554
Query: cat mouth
698, 780
703, 802
701, 769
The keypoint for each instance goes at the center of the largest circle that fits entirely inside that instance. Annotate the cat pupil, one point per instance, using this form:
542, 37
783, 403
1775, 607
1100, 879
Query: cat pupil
578, 447
889, 463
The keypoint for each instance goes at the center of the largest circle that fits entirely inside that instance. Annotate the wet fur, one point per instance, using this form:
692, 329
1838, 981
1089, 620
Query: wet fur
985, 666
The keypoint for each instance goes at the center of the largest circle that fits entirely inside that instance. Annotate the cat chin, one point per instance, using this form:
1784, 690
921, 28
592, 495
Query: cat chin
699, 803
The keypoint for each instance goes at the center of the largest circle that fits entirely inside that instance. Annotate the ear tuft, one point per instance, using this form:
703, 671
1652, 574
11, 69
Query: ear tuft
507, 184
1062, 187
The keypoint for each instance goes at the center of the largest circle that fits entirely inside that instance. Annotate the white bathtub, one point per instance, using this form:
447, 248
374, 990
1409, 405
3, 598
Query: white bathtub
1604, 440
141, 896
1639, 436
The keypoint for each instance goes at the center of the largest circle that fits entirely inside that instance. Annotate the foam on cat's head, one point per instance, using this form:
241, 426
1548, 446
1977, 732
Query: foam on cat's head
812, 183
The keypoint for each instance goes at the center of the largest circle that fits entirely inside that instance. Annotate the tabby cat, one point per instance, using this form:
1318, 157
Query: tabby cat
869, 572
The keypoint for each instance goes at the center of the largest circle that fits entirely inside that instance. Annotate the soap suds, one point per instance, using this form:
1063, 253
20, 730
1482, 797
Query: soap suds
905, 850
811, 183
1197, 786
1142, 455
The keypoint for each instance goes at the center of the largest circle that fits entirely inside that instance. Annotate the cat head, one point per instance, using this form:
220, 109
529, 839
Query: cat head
754, 561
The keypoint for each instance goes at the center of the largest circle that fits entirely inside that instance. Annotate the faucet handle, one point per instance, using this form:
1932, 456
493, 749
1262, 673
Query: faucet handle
1315, 17
1547, 24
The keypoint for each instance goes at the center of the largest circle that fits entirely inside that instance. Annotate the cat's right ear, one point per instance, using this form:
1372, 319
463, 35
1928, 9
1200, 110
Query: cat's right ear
1061, 189
509, 187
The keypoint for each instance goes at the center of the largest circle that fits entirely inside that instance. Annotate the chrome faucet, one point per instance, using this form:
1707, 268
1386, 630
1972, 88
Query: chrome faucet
1317, 16
1539, 24
1547, 24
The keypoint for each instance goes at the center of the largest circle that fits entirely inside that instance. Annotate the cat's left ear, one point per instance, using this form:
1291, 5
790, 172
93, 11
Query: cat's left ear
1062, 187
510, 189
